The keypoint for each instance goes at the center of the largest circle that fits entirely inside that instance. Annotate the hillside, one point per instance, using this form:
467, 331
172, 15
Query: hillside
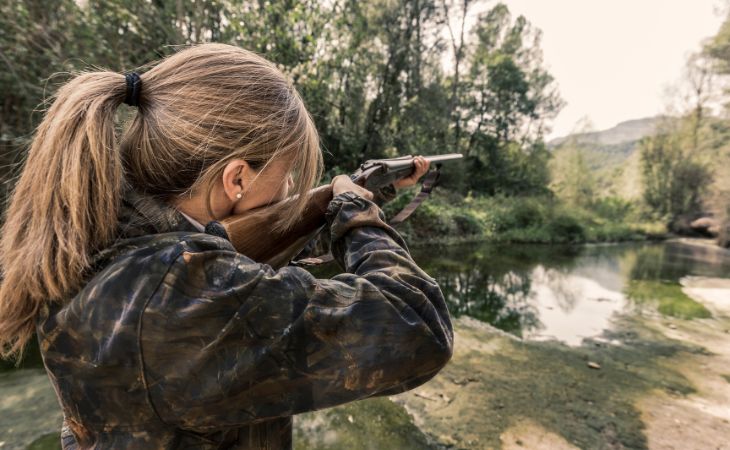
610, 155
628, 131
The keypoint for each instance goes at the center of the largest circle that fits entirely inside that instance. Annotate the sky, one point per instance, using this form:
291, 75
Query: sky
615, 59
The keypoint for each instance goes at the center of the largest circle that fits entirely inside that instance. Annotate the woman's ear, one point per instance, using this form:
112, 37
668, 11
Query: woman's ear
234, 175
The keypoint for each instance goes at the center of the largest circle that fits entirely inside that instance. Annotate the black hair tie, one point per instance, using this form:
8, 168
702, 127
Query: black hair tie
134, 85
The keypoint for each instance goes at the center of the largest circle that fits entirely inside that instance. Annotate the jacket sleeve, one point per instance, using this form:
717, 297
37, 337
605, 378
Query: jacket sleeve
227, 341
384, 195
320, 244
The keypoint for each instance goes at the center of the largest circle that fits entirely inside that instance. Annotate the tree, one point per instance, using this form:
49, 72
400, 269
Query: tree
508, 99
371, 73
673, 180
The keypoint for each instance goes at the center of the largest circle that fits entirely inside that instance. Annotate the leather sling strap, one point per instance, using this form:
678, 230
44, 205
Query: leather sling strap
429, 182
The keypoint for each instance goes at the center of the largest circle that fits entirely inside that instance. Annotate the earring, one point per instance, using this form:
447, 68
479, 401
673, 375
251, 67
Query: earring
239, 195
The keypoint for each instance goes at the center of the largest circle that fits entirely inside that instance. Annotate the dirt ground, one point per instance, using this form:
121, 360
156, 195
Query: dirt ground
653, 383
702, 419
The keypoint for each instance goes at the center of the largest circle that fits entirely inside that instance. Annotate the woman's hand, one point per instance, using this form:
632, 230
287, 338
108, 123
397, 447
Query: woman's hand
422, 166
343, 183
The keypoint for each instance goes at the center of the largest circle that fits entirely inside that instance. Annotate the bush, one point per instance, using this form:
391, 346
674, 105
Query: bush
612, 208
566, 228
539, 219
517, 213
433, 220
467, 223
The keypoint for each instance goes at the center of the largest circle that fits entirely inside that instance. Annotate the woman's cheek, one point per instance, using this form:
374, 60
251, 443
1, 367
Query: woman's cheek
239, 207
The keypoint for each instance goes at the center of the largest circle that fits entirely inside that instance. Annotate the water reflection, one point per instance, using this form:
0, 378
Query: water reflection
502, 299
563, 292
534, 292
558, 292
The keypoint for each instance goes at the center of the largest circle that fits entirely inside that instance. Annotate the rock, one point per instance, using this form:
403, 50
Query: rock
706, 225
690, 225
594, 365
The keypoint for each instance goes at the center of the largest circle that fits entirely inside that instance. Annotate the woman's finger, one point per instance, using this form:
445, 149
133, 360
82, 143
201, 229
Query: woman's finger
421, 166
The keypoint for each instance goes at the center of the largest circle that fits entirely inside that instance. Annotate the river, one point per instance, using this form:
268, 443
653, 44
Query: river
533, 323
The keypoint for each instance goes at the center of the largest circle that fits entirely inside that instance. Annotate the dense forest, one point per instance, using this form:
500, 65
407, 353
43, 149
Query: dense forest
384, 78
373, 74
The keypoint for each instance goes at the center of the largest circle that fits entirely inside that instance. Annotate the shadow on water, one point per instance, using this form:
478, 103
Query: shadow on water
494, 284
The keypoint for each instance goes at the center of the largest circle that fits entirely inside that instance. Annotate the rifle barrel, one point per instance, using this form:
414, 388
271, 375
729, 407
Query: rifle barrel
405, 162
446, 157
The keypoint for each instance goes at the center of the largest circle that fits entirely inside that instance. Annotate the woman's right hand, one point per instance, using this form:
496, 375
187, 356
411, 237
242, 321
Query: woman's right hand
343, 183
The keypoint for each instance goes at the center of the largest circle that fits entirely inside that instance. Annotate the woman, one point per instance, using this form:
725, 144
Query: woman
156, 335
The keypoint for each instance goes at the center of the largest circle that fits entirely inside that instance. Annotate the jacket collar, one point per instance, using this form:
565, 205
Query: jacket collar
140, 218
142, 214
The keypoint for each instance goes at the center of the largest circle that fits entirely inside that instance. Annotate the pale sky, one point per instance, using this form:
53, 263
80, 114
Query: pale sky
614, 59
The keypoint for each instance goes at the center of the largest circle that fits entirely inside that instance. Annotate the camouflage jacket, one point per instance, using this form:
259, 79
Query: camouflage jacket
178, 341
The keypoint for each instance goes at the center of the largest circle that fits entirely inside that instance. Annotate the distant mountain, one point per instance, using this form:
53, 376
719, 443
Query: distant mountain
628, 131
611, 154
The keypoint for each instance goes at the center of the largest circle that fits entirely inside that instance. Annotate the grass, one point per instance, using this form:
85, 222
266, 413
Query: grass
375, 423
668, 299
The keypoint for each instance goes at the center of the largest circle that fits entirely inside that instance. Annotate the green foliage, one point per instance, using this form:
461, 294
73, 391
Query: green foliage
467, 223
518, 213
613, 208
370, 73
507, 97
449, 217
508, 169
674, 181
718, 48
573, 182
568, 228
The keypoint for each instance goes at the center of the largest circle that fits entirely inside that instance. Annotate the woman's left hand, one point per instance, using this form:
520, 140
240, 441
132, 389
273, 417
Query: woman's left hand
421, 168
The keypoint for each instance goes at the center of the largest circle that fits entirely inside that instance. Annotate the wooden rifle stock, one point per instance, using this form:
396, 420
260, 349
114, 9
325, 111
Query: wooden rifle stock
252, 234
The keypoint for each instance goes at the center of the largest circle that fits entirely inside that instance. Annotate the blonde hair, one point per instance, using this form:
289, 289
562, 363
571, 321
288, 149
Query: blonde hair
199, 109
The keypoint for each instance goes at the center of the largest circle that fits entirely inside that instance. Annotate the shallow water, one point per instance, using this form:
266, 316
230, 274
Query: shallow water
562, 292
534, 292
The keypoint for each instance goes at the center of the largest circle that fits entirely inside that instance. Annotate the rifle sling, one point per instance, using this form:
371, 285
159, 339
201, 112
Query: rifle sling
429, 182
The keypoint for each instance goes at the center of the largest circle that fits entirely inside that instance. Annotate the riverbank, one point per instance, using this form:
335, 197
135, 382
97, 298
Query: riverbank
448, 218
652, 382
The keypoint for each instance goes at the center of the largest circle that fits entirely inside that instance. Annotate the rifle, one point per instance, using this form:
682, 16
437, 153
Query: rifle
251, 233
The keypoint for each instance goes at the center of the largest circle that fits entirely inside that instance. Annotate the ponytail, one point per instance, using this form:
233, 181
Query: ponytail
200, 108
64, 205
